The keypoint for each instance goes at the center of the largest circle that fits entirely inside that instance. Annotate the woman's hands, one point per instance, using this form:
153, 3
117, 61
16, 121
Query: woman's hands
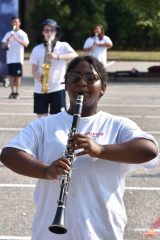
86, 145
58, 168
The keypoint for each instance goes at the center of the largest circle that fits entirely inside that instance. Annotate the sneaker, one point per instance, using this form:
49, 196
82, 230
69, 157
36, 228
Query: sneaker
11, 95
16, 96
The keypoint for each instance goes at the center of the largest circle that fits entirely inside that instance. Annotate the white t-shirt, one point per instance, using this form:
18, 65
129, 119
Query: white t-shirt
95, 208
57, 69
15, 53
99, 52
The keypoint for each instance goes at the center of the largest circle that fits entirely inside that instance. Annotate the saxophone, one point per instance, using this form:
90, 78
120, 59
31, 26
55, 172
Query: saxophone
46, 67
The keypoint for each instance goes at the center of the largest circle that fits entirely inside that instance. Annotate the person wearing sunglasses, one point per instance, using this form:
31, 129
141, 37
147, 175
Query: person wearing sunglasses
106, 147
54, 99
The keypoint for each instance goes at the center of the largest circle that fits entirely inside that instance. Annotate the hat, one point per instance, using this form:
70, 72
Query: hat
49, 22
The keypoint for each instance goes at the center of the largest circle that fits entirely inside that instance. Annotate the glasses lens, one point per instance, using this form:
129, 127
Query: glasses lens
91, 78
49, 30
72, 77
75, 77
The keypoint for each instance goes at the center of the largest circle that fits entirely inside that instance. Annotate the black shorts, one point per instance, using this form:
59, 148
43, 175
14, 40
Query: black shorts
52, 103
15, 69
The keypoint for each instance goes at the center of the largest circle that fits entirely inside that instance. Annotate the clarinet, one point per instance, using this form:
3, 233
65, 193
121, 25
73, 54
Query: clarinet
58, 225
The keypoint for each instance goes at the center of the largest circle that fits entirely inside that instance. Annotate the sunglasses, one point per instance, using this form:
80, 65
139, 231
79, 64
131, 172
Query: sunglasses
89, 78
49, 30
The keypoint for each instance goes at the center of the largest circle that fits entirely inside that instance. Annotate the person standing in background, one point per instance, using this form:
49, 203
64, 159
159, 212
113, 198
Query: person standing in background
53, 99
98, 43
14, 42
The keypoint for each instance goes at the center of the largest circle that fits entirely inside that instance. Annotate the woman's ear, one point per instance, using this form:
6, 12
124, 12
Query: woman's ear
102, 92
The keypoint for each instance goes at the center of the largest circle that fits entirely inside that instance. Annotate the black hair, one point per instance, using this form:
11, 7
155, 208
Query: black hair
15, 17
100, 36
98, 66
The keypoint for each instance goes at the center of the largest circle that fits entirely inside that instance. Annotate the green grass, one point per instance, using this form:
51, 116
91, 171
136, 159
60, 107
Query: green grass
125, 55
132, 55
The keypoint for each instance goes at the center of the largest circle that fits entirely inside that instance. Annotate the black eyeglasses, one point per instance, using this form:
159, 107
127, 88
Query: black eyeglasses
73, 77
49, 30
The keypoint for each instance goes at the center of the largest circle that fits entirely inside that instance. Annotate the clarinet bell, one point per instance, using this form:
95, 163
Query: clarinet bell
57, 225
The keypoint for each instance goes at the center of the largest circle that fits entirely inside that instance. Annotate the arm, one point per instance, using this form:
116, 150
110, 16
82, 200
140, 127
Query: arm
35, 73
108, 44
90, 48
135, 151
22, 42
24, 164
66, 56
6, 40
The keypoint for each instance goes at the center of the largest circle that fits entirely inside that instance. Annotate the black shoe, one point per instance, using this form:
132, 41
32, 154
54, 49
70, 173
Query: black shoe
11, 95
16, 96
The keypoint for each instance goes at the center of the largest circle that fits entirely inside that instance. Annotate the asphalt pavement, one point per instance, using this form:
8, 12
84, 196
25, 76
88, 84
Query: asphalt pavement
138, 101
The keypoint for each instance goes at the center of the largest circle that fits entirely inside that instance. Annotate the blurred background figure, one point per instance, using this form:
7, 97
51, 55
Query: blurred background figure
98, 43
14, 42
49, 60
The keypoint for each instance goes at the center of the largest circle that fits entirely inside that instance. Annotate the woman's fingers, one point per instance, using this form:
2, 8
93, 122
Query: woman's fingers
58, 167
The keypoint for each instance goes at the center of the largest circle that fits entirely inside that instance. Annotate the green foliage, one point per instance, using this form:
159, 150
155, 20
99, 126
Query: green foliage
131, 24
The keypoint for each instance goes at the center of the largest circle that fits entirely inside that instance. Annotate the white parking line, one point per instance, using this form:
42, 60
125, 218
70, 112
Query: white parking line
129, 105
100, 104
14, 238
146, 229
18, 129
16, 104
17, 185
33, 185
10, 129
16, 114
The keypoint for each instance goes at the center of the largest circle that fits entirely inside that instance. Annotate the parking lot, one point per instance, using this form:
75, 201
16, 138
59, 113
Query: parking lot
138, 101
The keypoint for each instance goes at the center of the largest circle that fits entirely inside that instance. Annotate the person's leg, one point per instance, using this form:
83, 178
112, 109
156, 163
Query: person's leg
57, 101
41, 104
17, 86
11, 80
18, 75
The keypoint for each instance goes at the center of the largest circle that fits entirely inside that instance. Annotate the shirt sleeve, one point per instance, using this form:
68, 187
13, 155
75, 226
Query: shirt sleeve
67, 48
28, 139
33, 57
25, 38
107, 40
4, 39
88, 43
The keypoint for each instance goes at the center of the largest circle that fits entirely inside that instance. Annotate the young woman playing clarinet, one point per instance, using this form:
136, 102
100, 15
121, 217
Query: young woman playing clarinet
106, 147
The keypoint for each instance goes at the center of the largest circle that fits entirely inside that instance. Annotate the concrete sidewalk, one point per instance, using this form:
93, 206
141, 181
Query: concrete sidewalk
141, 66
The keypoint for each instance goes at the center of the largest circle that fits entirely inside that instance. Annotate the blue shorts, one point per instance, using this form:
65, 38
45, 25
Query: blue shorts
52, 103
15, 69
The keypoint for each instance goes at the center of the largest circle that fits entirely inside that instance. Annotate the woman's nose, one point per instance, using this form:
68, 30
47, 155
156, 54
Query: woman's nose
82, 81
